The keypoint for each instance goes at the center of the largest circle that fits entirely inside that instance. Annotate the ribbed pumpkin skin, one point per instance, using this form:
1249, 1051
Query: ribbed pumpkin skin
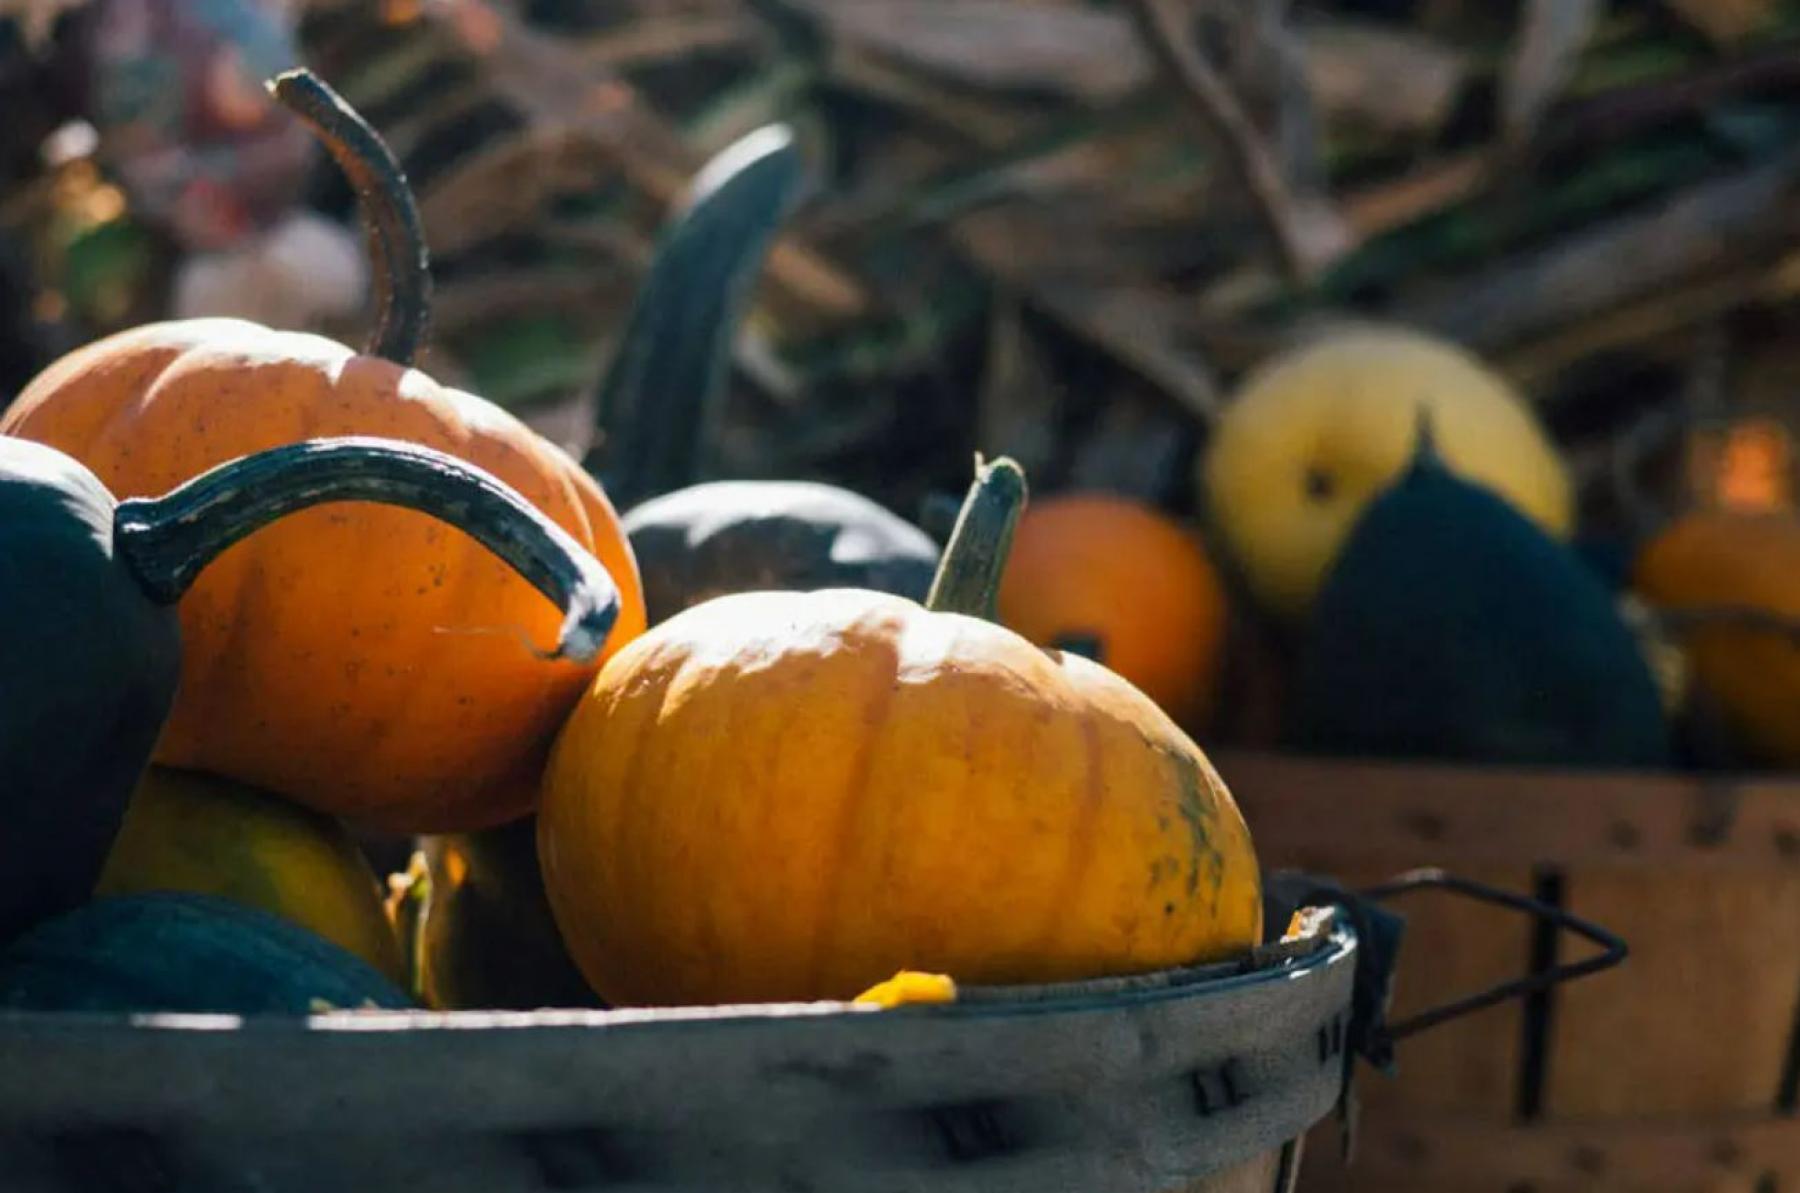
367, 661
1137, 582
1751, 561
789, 796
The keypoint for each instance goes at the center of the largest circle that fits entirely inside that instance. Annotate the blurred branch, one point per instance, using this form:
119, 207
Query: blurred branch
1307, 233
558, 87
1741, 216
1543, 61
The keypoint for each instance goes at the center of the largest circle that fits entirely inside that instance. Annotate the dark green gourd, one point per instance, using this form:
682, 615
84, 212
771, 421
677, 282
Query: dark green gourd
659, 403
88, 667
184, 953
1451, 627
90, 653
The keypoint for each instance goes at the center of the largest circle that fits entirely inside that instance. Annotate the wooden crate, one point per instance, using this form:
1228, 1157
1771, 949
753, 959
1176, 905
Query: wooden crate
1673, 1073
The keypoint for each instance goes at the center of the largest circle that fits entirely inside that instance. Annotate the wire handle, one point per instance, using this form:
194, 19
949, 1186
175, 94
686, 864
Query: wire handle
1613, 948
1379, 932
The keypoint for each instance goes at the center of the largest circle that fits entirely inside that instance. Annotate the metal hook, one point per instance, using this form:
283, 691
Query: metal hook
1613, 949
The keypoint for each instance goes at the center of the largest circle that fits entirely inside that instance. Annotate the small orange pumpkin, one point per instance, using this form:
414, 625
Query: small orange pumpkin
405, 696
1114, 579
795, 795
1728, 583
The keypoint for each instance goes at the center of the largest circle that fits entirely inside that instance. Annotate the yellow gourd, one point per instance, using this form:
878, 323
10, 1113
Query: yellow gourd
1315, 434
200, 835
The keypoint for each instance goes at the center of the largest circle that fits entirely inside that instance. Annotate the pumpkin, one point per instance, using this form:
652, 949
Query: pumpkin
1727, 584
1452, 627
361, 660
485, 936
781, 796
1114, 579
693, 541
179, 953
1314, 435
205, 836
92, 654
658, 408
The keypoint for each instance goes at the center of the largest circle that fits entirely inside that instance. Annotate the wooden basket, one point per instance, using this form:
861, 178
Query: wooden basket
1197, 1081
1674, 1073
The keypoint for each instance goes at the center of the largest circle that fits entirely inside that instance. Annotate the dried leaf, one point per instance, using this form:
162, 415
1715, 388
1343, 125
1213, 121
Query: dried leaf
37, 18
923, 96
1391, 79
1387, 77
1300, 218
1268, 68
1020, 397
1726, 21
568, 96
1543, 60
1083, 53
1141, 328
1740, 216
1137, 448
1090, 239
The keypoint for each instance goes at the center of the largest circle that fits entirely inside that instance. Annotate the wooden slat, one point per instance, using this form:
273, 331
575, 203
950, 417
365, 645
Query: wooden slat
1700, 874
1453, 948
1327, 813
1640, 1155
1697, 1020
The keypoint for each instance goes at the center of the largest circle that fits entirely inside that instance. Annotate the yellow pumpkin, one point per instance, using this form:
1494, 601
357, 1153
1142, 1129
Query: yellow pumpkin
197, 834
1315, 434
781, 796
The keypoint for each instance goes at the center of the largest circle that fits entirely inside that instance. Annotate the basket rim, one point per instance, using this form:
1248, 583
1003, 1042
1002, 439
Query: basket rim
1326, 942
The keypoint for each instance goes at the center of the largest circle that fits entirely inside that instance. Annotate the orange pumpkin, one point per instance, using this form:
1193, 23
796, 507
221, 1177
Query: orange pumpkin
1114, 579
406, 695
1728, 583
790, 796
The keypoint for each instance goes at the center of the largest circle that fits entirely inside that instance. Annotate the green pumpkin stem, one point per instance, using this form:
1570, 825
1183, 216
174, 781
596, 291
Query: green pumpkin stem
396, 234
968, 577
660, 398
168, 540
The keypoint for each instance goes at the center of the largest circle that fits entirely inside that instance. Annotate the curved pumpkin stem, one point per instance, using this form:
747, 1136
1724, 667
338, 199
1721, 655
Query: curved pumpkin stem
659, 400
968, 577
168, 540
396, 235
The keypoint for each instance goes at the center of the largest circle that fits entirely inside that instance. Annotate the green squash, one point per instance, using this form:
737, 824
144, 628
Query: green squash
90, 651
659, 404
1451, 627
198, 954
735, 536
89, 661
